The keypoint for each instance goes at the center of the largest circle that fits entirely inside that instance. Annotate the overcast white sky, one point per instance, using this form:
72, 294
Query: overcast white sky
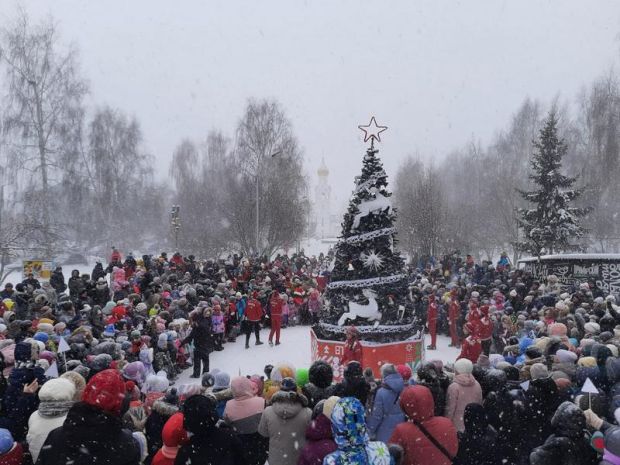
435, 72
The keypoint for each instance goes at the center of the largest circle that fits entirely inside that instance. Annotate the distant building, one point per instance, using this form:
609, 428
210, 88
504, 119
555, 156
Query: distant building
326, 223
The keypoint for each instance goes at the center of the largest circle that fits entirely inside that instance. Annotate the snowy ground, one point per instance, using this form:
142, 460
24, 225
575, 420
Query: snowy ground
294, 349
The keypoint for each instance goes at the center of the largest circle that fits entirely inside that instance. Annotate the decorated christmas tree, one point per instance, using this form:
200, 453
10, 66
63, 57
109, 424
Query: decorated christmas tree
368, 285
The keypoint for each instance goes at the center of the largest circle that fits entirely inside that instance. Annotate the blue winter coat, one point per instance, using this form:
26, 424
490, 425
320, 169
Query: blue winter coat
351, 437
386, 412
241, 304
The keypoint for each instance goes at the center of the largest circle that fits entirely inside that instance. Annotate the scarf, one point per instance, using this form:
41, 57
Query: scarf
170, 452
54, 408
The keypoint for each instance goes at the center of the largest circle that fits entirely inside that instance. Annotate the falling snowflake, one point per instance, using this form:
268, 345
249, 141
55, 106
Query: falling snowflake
372, 260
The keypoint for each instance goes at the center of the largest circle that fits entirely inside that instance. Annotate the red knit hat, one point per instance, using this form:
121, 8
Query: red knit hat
404, 371
105, 390
173, 436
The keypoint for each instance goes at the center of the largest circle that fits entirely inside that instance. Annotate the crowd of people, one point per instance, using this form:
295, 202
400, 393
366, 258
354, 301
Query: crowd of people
537, 380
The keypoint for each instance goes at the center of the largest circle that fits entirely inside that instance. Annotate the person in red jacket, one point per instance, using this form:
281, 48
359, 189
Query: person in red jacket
352, 347
253, 315
116, 256
471, 347
119, 312
232, 320
485, 330
425, 438
173, 436
178, 261
454, 311
431, 321
276, 304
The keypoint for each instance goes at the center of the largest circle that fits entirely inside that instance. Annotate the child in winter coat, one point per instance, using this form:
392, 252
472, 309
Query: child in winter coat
217, 327
314, 305
173, 436
286, 310
319, 435
351, 437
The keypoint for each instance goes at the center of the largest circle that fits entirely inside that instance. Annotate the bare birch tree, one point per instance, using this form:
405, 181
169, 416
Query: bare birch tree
45, 93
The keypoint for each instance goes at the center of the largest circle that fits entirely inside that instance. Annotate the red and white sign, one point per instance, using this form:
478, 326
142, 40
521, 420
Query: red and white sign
373, 355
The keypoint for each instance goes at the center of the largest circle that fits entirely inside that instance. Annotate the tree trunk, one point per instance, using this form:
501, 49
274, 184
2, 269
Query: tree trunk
43, 167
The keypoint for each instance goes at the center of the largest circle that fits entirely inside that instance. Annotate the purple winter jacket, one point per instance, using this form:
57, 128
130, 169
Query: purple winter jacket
320, 442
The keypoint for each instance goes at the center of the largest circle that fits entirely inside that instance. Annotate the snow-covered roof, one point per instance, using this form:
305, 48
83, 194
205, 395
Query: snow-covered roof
575, 256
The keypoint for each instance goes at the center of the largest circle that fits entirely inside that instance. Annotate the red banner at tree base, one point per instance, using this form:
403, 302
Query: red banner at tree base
374, 355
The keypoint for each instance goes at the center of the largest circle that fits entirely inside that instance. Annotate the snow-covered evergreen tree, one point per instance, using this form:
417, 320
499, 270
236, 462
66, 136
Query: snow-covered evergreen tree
368, 284
553, 223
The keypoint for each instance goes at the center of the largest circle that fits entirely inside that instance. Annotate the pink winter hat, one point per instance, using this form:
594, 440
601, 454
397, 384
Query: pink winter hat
558, 329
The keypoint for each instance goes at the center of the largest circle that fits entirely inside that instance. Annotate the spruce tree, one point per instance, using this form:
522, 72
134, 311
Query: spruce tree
553, 223
368, 285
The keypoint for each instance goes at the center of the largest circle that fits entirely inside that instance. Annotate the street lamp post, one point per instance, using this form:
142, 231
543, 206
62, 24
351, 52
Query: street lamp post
175, 222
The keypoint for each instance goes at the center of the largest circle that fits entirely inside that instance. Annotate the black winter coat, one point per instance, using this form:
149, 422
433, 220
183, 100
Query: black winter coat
98, 272
314, 394
201, 335
160, 414
89, 437
17, 406
506, 415
439, 395
57, 281
541, 401
478, 443
215, 446
101, 296
76, 286
568, 445
478, 448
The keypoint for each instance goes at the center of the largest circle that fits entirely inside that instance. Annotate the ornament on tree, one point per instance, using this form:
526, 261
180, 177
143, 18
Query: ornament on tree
372, 260
370, 311
372, 131
350, 267
379, 204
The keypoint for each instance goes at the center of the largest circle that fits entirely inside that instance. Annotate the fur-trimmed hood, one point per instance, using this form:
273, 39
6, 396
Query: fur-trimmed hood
164, 408
289, 397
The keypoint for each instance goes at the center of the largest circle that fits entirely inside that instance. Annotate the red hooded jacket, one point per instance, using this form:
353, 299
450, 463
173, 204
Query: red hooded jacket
418, 405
